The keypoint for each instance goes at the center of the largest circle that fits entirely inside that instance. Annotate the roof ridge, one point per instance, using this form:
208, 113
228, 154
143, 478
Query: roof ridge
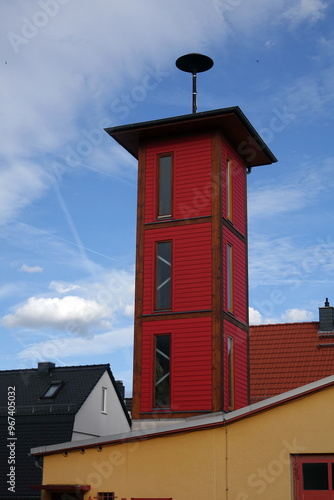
285, 324
94, 366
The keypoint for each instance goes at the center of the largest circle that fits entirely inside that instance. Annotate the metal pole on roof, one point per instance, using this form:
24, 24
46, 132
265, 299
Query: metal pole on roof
194, 63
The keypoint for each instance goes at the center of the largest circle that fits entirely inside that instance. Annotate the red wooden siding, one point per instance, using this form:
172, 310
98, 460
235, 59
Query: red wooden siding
191, 266
240, 365
191, 176
191, 378
240, 275
239, 188
199, 362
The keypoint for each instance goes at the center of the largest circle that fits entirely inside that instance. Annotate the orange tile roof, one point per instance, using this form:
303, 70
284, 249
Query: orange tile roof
287, 356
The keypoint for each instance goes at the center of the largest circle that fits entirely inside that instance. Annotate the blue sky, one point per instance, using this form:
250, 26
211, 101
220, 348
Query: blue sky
69, 68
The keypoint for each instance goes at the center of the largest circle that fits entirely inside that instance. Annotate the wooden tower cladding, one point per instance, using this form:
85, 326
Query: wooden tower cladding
191, 306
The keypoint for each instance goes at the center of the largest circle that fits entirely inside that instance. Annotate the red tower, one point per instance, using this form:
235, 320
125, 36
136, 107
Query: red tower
191, 312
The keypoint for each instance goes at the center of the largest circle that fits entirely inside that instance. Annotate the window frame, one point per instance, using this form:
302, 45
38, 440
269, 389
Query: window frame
229, 188
106, 495
168, 404
157, 305
58, 384
230, 372
158, 185
104, 406
230, 277
298, 478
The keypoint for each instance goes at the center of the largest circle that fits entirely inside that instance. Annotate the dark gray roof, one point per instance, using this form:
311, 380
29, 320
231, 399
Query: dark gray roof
30, 430
39, 421
30, 384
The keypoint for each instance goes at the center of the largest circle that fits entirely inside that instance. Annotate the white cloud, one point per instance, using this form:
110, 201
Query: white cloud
296, 315
21, 183
255, 317
302, 190
310, 95
288, 316
63, 347
10, 289
85, 74
63, 287
30, 269
129, 310
114, 288
306, 10
71, 313
271, 201
69, 67
289, 261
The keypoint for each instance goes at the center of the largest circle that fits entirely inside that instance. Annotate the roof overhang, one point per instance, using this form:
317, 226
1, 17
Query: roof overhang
230, 121
191, 424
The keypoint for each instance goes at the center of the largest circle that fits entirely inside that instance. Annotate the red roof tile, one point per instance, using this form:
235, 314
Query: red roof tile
287, 356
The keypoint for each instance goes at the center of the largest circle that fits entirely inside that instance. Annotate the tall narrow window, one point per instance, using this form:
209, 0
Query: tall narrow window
162, 371
104, 400
165, 185
229, 277
230, 367
163, 293
229, 189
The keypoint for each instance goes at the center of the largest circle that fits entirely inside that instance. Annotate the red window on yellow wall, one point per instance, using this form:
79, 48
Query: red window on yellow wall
313, 477
106, 495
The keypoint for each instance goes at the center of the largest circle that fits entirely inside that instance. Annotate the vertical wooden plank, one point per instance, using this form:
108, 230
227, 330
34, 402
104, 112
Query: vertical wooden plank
216, 239
247, 290
137, 361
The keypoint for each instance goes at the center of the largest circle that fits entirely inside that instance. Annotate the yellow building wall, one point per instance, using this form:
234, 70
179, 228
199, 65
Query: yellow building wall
153, 468
245, 460
260, 447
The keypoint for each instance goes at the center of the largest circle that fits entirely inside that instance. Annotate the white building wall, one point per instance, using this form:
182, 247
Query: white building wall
90, 421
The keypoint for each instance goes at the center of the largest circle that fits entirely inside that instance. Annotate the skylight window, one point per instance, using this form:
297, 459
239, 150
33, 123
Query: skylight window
52, 390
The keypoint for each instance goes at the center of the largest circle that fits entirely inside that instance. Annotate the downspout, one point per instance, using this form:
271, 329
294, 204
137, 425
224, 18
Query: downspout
226, 463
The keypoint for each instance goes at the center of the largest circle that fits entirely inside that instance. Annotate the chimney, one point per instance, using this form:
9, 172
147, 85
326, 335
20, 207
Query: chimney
45, 367
326, 318
120, 387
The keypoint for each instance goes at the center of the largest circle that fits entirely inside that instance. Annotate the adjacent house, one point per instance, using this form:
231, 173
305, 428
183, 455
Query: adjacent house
50, 405
289, 355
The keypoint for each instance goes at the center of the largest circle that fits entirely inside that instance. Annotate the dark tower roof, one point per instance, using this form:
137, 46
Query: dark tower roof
231, 121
